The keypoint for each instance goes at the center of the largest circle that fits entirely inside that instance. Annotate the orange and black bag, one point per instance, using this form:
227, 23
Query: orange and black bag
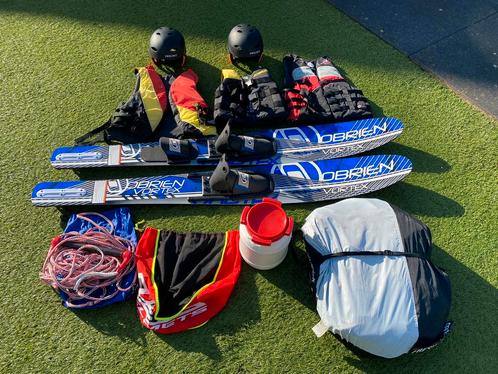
185, 279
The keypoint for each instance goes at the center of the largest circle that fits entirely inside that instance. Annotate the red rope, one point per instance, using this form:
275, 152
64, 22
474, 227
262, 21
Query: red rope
85, 265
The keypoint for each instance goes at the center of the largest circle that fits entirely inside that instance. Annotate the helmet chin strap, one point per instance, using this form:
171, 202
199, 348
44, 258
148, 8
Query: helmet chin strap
248, 70
169, 68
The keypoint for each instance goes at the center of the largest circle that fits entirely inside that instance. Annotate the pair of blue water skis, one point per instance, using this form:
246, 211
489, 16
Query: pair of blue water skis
294, 165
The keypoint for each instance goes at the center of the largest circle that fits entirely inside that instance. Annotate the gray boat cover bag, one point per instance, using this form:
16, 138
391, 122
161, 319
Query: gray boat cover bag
374, 283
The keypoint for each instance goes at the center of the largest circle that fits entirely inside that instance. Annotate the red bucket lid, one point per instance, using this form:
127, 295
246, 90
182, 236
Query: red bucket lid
266, 222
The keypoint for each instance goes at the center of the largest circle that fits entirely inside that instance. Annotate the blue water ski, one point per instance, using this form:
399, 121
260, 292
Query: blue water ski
306, 143
292, 182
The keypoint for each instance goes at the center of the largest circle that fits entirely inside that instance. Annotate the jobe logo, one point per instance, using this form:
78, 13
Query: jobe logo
130, 151
243, 180
174, 145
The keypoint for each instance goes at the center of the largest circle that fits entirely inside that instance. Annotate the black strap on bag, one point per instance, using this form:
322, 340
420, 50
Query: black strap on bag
371, 253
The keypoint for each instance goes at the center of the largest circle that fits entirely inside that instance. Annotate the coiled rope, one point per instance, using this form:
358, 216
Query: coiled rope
91, 267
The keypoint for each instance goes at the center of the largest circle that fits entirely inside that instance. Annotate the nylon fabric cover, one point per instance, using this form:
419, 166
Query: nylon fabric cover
385, 305
366, 300
185, 279
190, 110
123, 227
431, 285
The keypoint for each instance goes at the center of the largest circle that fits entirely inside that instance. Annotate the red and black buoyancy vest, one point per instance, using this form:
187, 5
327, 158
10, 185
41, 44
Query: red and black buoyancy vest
317, 92
189, 108
145, 116
250, 100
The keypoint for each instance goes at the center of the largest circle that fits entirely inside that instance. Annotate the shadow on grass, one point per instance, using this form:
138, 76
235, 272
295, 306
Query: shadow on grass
209, 78
275, 67
191, 215
327, 37
414, 199
291, 276
240, 313
242, 310
423, 162
120, 320
420, 201
321, 37
473, 310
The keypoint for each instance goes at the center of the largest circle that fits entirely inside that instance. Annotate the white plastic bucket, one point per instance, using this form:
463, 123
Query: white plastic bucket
265, 233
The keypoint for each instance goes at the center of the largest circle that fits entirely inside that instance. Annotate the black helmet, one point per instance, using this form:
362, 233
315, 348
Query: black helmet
245, 42
167, 47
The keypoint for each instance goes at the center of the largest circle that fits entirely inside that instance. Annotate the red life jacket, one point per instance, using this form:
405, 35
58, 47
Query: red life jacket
304, 97
190, 110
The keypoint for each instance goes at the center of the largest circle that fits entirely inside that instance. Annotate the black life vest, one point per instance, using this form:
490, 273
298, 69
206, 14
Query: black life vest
345, 101
253, 99
136, 119
317, 92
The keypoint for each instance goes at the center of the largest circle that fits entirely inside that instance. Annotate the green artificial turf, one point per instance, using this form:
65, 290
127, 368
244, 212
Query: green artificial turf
64, 65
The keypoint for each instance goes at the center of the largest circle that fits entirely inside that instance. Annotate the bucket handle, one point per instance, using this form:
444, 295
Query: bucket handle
245, 212
290, 225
